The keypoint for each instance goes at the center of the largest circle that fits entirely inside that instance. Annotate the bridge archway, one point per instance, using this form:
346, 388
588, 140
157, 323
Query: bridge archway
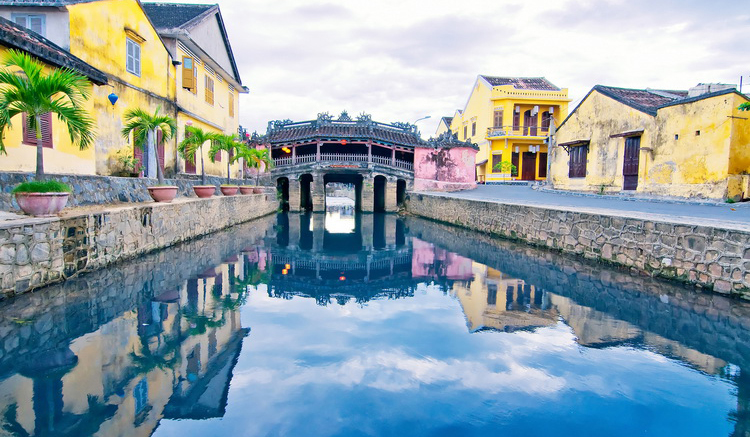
347, 178
282, 188
379, 185
305, 192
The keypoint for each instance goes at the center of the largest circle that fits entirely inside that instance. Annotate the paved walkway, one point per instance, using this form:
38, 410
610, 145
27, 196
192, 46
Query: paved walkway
725, 213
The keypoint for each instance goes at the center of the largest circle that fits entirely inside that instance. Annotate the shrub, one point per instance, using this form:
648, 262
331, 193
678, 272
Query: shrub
43, 186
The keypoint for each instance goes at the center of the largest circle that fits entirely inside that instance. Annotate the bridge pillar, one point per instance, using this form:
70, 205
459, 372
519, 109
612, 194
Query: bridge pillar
318, 191
391, 200
367, 196
294, 194
319, 229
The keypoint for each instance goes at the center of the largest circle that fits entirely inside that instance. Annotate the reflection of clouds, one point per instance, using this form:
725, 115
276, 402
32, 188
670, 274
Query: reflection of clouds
398, 371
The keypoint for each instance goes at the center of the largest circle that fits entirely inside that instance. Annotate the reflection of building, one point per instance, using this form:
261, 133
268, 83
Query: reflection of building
492, 300
170, 357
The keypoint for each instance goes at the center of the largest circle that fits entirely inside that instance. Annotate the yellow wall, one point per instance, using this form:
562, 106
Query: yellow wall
480, 109
687, 166
63, 157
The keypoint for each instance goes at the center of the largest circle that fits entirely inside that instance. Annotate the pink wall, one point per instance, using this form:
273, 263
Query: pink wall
429, 261
445, 169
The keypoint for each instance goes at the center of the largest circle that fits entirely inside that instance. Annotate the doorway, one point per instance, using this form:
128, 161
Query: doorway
630, 163
528, 166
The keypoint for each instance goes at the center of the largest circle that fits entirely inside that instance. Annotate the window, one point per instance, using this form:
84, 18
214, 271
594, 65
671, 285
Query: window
514, 161
497, 158
209, 90
473, 128
133, 63
33, 22
545, 121
29, 135
188, 73
217, 156
577, 164
498, 118
230, 104
516, 119
465, 131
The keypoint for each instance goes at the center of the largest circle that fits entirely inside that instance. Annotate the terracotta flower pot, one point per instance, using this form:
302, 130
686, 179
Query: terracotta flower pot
246, 190
204, 191
229, 191
42, 204
257, 190
163, 194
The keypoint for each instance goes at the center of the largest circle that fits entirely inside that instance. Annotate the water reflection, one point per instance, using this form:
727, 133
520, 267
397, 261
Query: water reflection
369, 316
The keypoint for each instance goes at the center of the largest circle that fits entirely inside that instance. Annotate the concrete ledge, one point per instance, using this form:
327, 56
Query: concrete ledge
714, 256
35, 252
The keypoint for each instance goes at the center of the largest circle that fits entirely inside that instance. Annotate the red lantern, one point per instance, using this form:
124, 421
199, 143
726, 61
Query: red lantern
342, 278
343, 142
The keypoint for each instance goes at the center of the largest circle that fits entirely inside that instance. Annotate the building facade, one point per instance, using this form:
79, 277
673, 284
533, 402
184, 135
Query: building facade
663, 142
510, 119
143, 69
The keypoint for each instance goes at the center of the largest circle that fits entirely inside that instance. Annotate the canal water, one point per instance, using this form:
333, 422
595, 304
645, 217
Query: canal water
342, 324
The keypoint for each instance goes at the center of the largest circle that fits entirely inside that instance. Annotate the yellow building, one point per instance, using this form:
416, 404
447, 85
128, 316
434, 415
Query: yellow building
674, 143
61, 156
144, 67
207, 82
443, 126
510, 119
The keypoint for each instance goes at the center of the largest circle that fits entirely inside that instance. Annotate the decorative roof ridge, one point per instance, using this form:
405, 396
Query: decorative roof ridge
448, 140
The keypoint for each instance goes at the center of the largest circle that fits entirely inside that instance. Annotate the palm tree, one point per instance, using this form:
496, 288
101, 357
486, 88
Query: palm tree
144, 126
195, 137
228, 143
61, 92
254, 158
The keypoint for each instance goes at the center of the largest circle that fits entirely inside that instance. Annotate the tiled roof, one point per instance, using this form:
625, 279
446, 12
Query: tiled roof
522, 83
307, 131
173, 15
17, 37
644, 100
447, 121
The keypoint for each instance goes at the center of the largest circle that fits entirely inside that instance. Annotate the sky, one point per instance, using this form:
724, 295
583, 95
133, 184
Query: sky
401, 60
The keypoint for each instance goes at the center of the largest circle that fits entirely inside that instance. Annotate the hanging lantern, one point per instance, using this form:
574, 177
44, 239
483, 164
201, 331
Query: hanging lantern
343, 142
112, 98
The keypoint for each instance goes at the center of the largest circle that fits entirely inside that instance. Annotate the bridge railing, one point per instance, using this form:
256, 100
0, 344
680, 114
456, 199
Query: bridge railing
345, 157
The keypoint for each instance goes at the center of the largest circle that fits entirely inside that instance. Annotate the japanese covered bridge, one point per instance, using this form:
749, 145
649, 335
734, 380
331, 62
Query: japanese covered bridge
376, 158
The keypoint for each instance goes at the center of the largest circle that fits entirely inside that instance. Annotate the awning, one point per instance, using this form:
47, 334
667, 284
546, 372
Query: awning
481, 162
630, 133
567, 145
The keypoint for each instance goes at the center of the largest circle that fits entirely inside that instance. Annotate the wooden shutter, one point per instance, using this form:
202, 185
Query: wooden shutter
497, 158
577, 165
514, 161
231, 104
498, 118
473, 128
190, 166
209, 90
188, 73
542, 165
516, 120
465, 131
138, 154
29, 135
545, 121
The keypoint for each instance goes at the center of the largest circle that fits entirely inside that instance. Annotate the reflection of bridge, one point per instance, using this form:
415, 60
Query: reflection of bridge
377, 158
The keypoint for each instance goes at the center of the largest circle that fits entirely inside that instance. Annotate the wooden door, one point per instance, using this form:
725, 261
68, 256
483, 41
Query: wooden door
542, 165
528, 166
630, 163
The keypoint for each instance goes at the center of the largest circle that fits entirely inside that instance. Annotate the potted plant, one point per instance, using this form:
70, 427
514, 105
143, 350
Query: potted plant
145, 127
229, 144
126, 165
257, 159
30, 91
195, 137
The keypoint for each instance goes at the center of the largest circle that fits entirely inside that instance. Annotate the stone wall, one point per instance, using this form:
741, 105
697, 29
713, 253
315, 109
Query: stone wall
711, 257
38, 251
92, 190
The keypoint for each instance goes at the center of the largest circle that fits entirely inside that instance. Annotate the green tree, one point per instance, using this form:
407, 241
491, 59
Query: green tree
61, 92
254, 158
195, 137
144, 126
227, 143
505, 167
744, 107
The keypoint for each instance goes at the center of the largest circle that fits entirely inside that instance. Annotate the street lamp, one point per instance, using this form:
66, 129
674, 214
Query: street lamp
423, 118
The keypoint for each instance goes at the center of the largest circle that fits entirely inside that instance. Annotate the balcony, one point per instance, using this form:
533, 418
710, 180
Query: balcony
517, 131
343, 157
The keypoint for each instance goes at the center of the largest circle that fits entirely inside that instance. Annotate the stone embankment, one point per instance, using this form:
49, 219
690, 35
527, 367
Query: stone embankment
38, 251
714, 256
